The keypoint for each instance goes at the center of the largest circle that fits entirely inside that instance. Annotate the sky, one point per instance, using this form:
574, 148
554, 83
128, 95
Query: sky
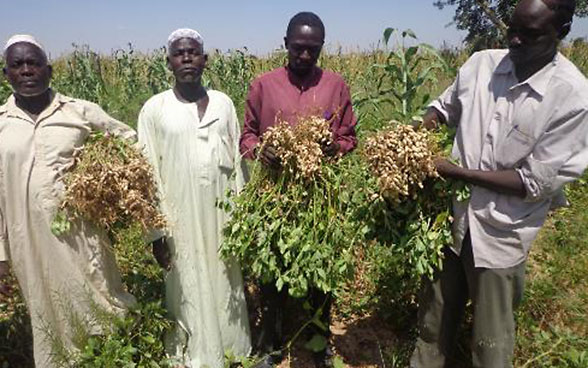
107, 25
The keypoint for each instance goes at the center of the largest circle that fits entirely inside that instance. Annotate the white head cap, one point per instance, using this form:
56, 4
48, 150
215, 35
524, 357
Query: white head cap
184, 33
23, 38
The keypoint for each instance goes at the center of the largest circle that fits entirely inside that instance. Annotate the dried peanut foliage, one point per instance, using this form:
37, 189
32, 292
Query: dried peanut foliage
293, 227
299, 148
402, 159
111, 184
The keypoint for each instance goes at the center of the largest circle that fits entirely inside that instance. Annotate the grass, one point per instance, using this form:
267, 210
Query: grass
552, 321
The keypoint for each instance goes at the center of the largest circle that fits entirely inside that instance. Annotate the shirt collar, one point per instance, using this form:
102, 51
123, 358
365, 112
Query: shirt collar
505, 66
538, 81
12, 109
307, 81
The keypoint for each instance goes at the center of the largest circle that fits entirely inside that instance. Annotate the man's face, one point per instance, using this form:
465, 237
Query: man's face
531, 33
27, 70
187, 60
304, 46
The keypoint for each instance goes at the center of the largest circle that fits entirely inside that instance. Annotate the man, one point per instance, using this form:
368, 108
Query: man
190, 135
287, 93
62, 279
522, 117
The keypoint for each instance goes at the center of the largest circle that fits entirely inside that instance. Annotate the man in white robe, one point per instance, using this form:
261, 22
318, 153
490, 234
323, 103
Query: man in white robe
63, 279
191, 136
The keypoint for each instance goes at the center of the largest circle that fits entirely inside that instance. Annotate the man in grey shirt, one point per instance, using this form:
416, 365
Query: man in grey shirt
522, 133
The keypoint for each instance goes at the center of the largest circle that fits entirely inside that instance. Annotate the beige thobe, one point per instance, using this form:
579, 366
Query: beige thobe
195, 161
62, 278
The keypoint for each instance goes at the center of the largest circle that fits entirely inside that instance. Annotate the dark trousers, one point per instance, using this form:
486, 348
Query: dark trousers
495, 294
273, 303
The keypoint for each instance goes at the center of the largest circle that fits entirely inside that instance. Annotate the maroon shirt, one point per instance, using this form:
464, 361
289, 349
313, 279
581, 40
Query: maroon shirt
281, 95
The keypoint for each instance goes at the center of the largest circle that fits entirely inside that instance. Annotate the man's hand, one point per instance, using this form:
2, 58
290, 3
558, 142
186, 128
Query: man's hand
500, 181
5, 289
269, 158
331, 148
161, 253
432, 119
446, 169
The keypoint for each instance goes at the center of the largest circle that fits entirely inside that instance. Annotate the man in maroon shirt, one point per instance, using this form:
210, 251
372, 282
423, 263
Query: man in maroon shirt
297, 90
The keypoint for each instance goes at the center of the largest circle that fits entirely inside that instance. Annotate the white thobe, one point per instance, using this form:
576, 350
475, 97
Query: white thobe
63, 278
195, 162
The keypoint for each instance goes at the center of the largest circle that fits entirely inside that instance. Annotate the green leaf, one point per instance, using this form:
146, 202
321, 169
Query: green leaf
387, 33
410, 52
338, 362
280, 284
317, 343
409, 33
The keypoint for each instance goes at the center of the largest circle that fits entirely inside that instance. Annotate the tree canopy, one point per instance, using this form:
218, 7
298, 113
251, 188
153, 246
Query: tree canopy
483, 19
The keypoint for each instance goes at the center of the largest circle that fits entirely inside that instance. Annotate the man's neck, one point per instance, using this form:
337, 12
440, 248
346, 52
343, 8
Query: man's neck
190, 92
34, 105
302, 80
524, 72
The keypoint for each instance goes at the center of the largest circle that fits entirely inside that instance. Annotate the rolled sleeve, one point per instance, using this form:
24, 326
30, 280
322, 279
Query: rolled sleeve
559, 157
4, 251
103, 122
250, 136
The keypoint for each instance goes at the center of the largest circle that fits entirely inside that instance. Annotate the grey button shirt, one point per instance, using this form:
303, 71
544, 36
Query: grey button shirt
538, 127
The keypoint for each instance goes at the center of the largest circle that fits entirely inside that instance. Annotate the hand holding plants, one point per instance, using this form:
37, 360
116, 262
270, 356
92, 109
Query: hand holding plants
330, 148
445, 168
269, 157
161, 253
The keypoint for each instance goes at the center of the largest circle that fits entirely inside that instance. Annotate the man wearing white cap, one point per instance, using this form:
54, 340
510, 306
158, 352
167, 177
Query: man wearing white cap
191, 138
63, 279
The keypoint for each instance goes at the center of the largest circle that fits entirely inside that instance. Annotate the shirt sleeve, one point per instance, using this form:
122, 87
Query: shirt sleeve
559, 157
103, 122
4, 251
448, 104
344, 132
147, 140
250, 136
241, 170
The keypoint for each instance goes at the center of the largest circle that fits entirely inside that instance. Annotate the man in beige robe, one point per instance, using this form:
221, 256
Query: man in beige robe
63, 279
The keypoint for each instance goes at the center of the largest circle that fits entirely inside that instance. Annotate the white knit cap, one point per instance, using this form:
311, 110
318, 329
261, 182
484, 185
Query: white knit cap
184, 33
23, 38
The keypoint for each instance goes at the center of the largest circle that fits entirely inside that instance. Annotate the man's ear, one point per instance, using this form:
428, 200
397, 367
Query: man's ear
4, 71
564, 30
286, 42
50, 68
167, 62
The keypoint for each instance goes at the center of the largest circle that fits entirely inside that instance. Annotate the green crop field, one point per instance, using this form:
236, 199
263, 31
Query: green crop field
375, 322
